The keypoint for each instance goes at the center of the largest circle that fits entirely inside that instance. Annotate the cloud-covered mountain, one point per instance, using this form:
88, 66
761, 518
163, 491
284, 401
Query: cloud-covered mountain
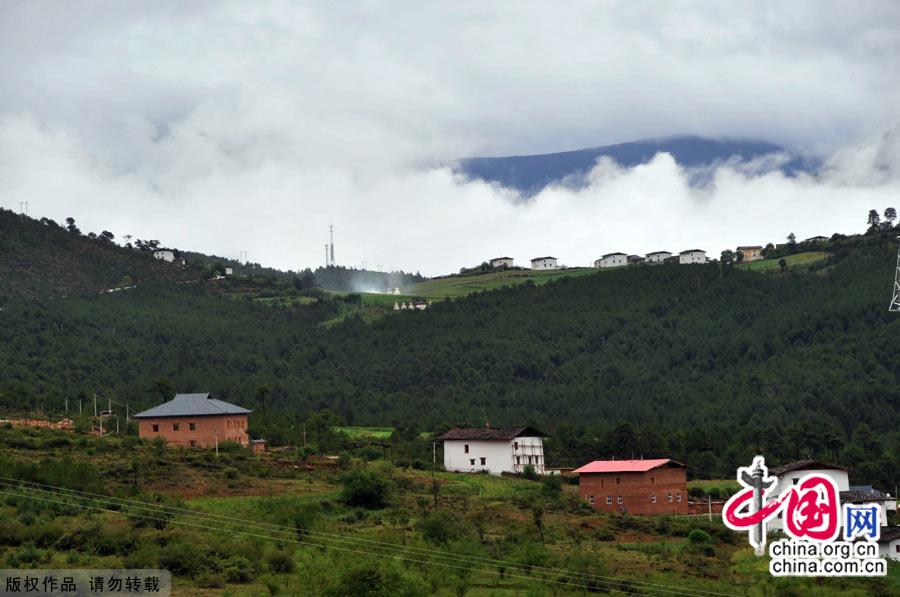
530, 173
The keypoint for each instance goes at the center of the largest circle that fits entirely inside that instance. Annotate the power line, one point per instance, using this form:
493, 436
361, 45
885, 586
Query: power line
210, 517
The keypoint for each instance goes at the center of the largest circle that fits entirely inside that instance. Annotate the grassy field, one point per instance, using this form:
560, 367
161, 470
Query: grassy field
241, 525
795, 260
366, 432
457, 286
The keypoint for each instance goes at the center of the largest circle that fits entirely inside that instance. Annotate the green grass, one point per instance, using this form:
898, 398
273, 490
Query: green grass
486, 486
805, 258
366, 432
457, 286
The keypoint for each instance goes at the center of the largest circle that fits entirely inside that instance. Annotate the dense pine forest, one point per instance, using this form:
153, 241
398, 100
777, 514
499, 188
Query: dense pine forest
708, 364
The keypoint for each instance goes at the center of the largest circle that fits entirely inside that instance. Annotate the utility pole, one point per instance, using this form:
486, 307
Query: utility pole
304, 436
117, 426
79, 405
67, 407
216, 433
95, 404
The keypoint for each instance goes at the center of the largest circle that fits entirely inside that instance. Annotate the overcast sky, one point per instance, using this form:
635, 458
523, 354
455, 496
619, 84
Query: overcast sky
230, 126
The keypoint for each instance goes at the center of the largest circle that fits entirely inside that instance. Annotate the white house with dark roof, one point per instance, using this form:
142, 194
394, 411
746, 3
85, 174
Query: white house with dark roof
612, 260
544, 263
494, 449
657, 257
692, 256
889, 543
501, 262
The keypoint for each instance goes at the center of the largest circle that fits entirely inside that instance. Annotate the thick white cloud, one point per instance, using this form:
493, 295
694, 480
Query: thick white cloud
233, 126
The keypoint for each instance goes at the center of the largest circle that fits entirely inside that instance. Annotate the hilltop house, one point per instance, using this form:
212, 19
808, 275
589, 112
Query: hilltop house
494, 449
612, 260
751, 253
889, 543
501, 262
657, 257
635, 260
657, 486
692, 256
195, 421
812, 240
790, 474
544, 263
167, 255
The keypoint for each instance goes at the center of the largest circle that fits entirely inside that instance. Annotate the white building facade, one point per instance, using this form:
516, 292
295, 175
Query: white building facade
544, 263
165, 255
501, 262
889, 544
495, 450
692, 256
612, 260
657, 257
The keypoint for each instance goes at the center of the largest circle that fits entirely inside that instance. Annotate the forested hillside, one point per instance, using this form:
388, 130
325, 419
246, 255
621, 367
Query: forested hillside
44, 258
702, 362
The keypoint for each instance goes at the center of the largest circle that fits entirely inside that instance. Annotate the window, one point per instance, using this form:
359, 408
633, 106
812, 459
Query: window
193, 444
156, 429
678, 497
619, 500
897, 548
174, 426
609, 499
483, 461
515, 445
518, 459
591, 500
466, 448
472, 461
670, 496
653, 499
601, 482
653, 479
795, 480
192, 426
618, 480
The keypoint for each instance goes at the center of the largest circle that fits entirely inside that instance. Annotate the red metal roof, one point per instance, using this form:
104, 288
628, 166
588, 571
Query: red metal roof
625, 466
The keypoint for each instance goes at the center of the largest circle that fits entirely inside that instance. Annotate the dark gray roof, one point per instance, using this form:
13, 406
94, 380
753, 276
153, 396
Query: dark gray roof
492, 433
547, 257
803, 465
499, 258
692, 251
859, 495
193, 405
611, 254
660, 253
888, 534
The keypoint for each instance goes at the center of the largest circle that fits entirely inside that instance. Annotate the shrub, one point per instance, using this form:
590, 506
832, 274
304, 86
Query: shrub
529, 473
281, 562
366, 489
441, 527
230, 472
207, 579
699, 536
605, 534
182, 558
238, 569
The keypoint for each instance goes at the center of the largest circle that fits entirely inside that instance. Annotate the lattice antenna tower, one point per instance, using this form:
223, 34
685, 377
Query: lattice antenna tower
895, 300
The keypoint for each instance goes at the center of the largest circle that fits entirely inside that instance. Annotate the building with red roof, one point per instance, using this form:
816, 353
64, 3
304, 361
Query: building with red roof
653, 486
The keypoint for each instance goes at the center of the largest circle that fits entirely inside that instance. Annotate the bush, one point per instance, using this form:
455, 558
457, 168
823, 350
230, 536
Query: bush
529, 473
699, 536
182, 558
605, 534
206, 579
281, 562
238, 569
441, 527
230, 472
366, 489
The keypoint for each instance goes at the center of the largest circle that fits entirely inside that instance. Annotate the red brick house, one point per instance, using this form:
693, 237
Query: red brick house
195, 421
656, 486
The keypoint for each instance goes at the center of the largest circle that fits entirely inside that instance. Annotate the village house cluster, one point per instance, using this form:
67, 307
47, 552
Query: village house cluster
639, 487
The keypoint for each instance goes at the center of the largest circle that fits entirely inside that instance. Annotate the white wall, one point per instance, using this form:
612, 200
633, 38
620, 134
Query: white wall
658, 257
502, 263
614, 261
499, 455
890, 550
793, 477
544, 264
693, 257
165, 255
